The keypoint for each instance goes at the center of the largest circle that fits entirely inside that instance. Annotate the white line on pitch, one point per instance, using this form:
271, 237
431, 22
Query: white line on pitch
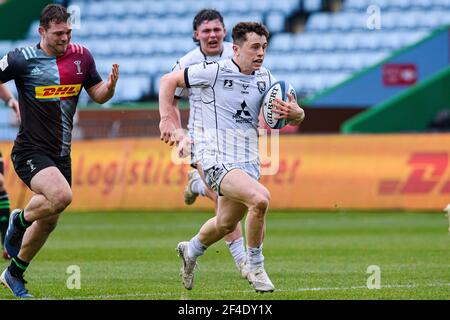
183, 294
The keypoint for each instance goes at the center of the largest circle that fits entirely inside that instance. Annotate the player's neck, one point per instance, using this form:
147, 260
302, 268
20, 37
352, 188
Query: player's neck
48, 51
241, 67
211, 54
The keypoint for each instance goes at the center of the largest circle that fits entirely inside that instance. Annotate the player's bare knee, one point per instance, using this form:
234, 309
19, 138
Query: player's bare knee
225, 227
262, 199
261, 203
62, 201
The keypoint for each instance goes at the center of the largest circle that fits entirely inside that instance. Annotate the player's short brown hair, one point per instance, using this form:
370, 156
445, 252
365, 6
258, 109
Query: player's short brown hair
55, 13
241, 30
206, 15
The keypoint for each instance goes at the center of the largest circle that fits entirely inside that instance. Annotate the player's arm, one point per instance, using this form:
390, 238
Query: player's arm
168, 107
289, 110
103, 91
9, 99
11, 66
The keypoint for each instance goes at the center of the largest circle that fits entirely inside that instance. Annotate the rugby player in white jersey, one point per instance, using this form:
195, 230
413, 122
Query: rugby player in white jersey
209, 34
231, 92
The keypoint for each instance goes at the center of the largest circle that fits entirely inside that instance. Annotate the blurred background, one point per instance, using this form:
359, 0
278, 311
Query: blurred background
359, 67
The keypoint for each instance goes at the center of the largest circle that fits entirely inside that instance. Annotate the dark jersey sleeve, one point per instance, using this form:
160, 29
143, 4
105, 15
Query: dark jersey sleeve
11, 66
92, 77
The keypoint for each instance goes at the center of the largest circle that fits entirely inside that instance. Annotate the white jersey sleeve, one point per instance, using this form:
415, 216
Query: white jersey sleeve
201, 75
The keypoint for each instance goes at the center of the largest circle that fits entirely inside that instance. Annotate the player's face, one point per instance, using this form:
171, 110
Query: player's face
56, 38
211, 34
250, 54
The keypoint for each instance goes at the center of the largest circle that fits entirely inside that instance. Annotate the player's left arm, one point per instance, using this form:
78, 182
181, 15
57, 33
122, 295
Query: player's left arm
289, 110
103, 91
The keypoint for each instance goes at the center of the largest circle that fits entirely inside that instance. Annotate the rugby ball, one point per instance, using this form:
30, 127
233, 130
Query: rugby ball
278, 90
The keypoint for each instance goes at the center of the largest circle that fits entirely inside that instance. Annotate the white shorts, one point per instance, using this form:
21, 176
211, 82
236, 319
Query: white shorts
215, 174
197, 149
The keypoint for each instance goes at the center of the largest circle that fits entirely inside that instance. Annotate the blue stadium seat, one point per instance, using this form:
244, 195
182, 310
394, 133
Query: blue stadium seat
305, 42
319, 21
312, 5
309, 61
282, 42
275, 21
132, 88
327, 42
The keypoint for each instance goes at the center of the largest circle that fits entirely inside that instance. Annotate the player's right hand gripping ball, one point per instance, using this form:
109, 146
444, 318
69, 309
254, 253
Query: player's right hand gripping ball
278, 90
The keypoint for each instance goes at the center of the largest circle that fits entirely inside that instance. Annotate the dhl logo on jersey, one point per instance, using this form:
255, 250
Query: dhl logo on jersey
61, 91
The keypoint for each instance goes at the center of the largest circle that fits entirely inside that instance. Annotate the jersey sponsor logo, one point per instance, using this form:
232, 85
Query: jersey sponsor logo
4, 63
244, 88
240, 115
228, 84
62, 91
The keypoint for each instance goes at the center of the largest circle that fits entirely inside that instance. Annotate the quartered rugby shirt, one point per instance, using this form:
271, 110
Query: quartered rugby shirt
48, 88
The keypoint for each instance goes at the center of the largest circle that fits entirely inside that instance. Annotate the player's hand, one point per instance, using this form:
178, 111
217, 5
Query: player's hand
14, 104
289, 110
184, 147
167, 129
113, 77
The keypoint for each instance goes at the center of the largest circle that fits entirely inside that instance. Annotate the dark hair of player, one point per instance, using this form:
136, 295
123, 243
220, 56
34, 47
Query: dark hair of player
53, 13
205, 15
241, 30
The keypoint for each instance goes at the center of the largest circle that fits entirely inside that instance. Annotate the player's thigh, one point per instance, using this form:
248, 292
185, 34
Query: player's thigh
229, 211
51, 183
240, 186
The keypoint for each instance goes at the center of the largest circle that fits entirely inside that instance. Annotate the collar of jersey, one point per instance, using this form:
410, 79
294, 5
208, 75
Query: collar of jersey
239, 68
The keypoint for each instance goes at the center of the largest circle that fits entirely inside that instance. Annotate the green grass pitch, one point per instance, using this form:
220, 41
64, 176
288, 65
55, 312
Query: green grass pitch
308, 255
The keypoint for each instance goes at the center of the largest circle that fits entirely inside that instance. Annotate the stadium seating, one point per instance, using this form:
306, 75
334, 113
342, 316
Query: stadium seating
146, 37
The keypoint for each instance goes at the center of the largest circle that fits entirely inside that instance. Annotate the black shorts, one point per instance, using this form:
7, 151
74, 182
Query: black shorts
28, 163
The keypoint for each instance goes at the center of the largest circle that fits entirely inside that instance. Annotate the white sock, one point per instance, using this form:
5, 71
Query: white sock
255, 258
237, 250
199, 187
196, 248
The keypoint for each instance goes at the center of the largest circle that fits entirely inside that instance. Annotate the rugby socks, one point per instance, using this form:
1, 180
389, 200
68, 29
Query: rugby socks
17, 267
196, 248
20, 222
199, 187
4, 214
255, 258
237, 250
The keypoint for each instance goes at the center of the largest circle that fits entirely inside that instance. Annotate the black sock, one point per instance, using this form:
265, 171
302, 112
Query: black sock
20, 222
4, 214
17, 267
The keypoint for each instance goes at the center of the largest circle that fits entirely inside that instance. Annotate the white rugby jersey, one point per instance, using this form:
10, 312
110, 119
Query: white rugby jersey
230, 106
196, 56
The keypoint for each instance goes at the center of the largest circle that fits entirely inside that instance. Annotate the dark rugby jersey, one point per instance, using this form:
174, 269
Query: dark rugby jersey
49, 88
